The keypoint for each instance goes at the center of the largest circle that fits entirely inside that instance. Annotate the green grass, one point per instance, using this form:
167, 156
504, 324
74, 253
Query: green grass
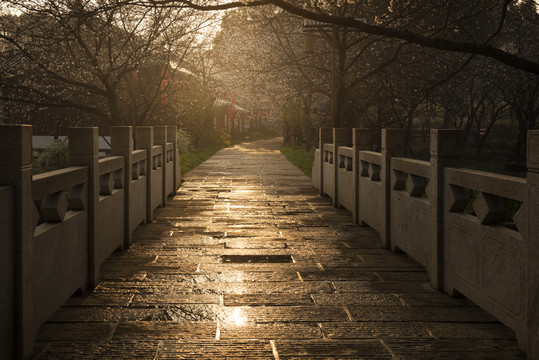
300, 157
191, 160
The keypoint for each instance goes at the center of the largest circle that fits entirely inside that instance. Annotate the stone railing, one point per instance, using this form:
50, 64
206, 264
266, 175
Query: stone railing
475, 232
57, 228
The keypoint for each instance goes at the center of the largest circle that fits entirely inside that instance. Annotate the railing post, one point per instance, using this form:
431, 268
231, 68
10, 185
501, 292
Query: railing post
392, 145
325, 137
532, 239
160, 138
361, 140
172, 133
122, 145
17, 331
341, 137
445, 151
84, 151
144, 141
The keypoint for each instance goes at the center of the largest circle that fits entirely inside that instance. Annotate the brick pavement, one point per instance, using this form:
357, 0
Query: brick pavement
248, 262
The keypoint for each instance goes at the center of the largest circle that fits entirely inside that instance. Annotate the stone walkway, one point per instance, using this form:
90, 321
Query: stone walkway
248, 262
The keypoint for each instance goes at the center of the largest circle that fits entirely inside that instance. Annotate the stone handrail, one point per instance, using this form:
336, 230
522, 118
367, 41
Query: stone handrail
411, 166
371, 157
500, 185
329, 150
157, 153
110, 164
57, 192
346, 155
138, 167
85, 212
57, 180
453, 221
139, 155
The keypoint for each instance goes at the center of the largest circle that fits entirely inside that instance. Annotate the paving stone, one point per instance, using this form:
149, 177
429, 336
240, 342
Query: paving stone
445, 330
65, 350
375, 330
267, 288
381, 286
333, 349
433, 299
99, 350
76, 331
146, 330
271, 331
141, 287
266, 300
366, 299
419, 276
173, 298
455, 349
125, 349
345, 274
215, 350
433, 313
255, 244
288, 314
101, 299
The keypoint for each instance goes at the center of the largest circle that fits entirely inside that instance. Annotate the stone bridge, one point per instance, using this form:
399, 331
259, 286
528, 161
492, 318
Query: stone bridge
247, 261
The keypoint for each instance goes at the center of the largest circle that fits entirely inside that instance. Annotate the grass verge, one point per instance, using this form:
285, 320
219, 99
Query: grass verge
300, 157
191, 160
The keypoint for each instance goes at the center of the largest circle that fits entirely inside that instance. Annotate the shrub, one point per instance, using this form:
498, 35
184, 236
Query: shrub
225, 138
55, 156
183, 141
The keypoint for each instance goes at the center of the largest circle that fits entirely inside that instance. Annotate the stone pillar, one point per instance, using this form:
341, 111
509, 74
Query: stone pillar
122, 145
160, 138
341, 137
325, 137
84, 151
361, 141
445, 151
171, 138
144, 141
18, 333
530, 236
392, 146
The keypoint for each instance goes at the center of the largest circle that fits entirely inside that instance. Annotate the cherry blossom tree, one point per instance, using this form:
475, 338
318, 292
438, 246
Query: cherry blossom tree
108, 61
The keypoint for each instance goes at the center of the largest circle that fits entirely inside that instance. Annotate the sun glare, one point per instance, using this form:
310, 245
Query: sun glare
238, 318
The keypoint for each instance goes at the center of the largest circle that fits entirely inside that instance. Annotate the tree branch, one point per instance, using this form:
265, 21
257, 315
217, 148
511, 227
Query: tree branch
434, 43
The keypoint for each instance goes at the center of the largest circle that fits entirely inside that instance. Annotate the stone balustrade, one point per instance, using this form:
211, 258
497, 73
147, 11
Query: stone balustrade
57, 228
475, 232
